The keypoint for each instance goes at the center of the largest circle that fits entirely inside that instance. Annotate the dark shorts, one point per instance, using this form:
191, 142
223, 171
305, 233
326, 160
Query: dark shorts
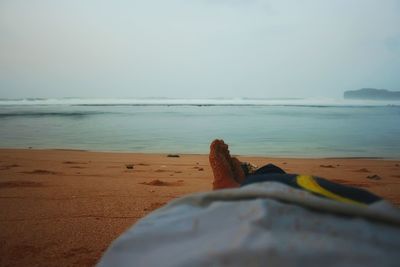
316, 185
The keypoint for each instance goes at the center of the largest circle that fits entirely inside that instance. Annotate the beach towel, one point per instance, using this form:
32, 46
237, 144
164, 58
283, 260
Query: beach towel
262, 224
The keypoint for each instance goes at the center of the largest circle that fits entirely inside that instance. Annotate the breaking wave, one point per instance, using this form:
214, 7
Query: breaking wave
295, 102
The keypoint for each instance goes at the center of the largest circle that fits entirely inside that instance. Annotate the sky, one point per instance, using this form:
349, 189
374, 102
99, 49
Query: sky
197, 48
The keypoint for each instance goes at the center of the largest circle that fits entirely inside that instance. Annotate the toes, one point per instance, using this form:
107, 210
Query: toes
237, 170
218, 144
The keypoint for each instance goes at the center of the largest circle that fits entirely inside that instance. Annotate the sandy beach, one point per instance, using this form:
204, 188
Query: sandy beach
64, 207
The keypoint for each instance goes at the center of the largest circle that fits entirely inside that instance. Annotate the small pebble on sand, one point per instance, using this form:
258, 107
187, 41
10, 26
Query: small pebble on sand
129, 166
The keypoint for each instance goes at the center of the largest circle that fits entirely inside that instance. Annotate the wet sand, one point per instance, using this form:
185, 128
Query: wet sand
64, 207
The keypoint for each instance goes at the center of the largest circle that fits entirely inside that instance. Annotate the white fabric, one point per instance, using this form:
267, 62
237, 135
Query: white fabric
263, 224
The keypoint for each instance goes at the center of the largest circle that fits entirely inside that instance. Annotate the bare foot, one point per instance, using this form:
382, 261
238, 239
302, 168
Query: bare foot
238, 170
228, 172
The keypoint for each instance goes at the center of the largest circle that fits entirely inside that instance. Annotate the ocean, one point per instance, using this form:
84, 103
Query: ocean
267, 127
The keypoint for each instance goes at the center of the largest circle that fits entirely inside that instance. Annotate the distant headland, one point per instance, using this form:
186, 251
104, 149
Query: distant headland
372, 94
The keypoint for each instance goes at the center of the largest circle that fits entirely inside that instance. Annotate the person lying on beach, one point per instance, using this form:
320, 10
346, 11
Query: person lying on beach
263, 217
229, 172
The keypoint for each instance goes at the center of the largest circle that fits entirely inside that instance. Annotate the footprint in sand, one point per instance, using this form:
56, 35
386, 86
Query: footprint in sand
13, 184
7, 167
40, 172
162, 183
74, 162
327, 166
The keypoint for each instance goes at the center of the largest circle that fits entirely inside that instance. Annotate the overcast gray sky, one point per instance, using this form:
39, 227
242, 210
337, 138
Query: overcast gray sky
197, 48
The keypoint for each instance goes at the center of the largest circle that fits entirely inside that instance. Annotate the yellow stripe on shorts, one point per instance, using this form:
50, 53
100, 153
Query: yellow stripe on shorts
308, 183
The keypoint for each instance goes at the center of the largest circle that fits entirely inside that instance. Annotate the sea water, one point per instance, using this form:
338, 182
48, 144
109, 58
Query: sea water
268, 127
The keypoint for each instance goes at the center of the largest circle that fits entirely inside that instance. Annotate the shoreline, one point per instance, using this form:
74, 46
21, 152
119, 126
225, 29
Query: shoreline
206, 154
65, 207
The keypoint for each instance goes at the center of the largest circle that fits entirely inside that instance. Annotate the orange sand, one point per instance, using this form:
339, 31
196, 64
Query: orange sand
63, 207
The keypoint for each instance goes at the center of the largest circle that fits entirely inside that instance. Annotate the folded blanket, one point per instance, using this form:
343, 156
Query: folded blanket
262, 224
